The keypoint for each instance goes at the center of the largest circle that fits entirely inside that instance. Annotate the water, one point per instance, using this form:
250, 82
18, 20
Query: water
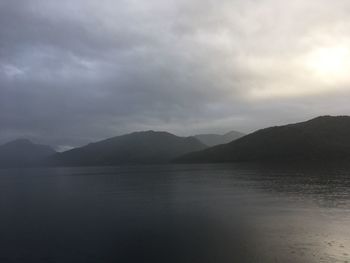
175, 213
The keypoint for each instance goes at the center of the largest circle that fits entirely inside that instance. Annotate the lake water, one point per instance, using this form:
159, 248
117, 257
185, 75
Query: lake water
175, 213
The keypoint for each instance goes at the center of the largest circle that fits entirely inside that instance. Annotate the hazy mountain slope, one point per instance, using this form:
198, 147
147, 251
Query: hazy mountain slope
135, 148
216, 139
322, 138
20, 153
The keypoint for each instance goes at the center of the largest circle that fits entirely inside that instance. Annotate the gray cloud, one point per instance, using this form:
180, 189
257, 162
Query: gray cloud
75, 71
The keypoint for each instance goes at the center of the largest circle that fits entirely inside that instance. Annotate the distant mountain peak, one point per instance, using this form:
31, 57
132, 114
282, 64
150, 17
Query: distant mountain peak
147, 132
216, 139
143, 147
22, 152
233, 132
323, 138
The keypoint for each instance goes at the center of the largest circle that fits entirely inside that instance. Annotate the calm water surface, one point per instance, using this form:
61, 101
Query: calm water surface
175, 213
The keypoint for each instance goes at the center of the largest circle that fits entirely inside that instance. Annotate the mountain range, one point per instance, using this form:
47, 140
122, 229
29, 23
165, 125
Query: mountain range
324, 138
23, 153
321, 139
149, 147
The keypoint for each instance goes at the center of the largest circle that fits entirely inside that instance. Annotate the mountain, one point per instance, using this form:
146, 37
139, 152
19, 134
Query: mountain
325, 138
22, 153
216, 139
149, 147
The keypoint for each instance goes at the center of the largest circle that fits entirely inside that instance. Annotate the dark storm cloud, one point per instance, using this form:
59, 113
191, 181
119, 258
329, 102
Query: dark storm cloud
76, 71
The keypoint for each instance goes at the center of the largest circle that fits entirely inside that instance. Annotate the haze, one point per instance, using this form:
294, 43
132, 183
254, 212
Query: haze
75, 71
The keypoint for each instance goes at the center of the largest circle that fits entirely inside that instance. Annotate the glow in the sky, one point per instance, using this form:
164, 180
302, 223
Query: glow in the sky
329, 64
184, 66
319, 70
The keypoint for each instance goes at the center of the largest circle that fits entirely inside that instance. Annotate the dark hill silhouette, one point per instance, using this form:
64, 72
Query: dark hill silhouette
216, 139
147, 147
324, 138
22, 153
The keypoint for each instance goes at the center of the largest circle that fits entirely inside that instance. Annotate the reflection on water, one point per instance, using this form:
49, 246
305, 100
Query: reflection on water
176, 213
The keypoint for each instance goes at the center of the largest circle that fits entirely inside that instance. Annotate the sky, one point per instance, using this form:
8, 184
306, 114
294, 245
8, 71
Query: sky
76, 71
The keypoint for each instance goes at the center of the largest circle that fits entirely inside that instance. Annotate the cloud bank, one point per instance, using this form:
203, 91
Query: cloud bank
75, 71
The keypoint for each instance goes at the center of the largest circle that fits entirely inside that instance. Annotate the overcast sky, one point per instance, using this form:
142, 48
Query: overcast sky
74, 71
